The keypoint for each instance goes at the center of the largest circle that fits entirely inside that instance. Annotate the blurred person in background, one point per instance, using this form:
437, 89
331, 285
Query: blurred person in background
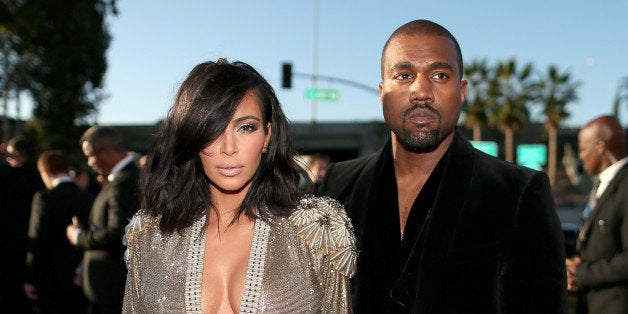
104, 272
86, 180
316, 167
19, 180
599, 274
51, 259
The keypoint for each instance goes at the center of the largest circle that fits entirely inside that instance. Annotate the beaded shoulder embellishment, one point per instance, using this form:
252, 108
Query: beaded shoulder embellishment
324, 225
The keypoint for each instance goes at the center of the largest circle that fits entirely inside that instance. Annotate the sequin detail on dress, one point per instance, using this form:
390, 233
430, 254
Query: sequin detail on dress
297, 264
325, 226
255, 273
194, 272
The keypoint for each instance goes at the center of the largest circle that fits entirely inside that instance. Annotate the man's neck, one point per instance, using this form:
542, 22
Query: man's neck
411, 163
54, 179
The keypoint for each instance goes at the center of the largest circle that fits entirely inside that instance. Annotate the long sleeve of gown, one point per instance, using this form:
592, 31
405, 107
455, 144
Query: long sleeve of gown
132, 259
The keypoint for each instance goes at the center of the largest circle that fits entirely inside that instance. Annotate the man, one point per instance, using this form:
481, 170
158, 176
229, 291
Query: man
104, 271
19, 180
600, 273
51, 260
440, 226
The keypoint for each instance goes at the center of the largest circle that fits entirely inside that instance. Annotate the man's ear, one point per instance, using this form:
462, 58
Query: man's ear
463, 91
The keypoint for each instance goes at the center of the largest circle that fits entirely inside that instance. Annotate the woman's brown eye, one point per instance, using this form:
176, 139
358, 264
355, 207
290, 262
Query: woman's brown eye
247, 128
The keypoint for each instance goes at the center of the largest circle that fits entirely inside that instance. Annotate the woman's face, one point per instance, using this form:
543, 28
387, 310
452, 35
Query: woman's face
230, 162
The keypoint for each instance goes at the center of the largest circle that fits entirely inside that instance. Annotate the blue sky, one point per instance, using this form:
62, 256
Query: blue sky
156, 43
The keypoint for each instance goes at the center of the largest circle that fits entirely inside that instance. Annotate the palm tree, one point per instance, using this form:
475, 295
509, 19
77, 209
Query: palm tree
476, 108
620, 95
509, 87
555, 91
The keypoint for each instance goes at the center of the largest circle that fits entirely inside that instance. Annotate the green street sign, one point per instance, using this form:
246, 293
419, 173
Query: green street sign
486, 147
532, 155
322, 94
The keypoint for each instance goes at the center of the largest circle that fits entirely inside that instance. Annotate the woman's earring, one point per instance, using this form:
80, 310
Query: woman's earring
265, 149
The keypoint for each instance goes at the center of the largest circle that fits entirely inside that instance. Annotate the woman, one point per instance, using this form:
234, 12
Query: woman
223, 226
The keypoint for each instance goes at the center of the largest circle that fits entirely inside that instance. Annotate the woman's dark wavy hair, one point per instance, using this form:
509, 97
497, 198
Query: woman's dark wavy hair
174, 184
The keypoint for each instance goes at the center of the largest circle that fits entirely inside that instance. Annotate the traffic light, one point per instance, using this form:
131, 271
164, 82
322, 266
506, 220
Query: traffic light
286, 75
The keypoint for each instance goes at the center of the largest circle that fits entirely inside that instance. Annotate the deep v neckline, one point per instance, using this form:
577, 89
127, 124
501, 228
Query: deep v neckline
249, 302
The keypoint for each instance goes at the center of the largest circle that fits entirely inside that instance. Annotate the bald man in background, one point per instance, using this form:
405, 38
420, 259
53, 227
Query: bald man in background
600, 272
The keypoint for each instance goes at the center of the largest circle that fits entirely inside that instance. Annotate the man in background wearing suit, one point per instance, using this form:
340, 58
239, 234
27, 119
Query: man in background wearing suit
19, 181
51, 259
600, 272
442, 227
104, 271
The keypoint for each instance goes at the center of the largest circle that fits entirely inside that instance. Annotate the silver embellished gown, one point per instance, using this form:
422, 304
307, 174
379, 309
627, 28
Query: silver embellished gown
297, 264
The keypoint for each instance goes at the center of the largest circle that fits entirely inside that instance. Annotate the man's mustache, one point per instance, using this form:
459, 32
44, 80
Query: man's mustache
414, 107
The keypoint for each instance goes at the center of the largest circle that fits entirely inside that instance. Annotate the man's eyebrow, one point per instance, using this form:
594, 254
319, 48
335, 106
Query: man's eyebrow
433, 65
441, 65
401, 65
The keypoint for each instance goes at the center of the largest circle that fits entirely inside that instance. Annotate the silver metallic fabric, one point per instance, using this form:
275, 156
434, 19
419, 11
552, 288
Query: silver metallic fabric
298, 264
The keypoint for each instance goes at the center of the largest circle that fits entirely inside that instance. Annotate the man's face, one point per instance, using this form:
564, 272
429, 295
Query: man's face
14, 158
591, 151
96, 159
421, 90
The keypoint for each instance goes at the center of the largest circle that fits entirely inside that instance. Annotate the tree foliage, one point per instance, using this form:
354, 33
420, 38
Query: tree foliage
477, 103
510, 87
504, 94
554, 91
61, 47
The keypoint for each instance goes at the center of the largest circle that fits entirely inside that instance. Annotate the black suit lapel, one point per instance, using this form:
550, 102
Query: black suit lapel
610, 190
375, 195
443, 219
375, 218
612, 187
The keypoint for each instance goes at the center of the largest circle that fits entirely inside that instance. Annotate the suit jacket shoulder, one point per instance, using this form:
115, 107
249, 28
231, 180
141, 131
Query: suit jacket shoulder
341, 177
124, 189
129, 175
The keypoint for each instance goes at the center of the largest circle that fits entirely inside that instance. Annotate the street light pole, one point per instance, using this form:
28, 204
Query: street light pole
314, 57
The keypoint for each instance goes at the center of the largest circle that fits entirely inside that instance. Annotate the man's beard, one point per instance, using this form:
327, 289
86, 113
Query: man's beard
419, 141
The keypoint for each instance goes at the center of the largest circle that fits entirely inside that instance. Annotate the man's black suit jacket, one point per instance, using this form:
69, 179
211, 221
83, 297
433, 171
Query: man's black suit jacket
492, 242
604, 273
104, 271
51, 259
17, 187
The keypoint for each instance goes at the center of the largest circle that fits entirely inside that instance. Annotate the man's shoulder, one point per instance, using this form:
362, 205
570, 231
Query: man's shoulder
620, 180
486, 170
351, 167
341, 177
57, 191
131, 169
622, 174
490, 165
70, 188
66, 193
129, 175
